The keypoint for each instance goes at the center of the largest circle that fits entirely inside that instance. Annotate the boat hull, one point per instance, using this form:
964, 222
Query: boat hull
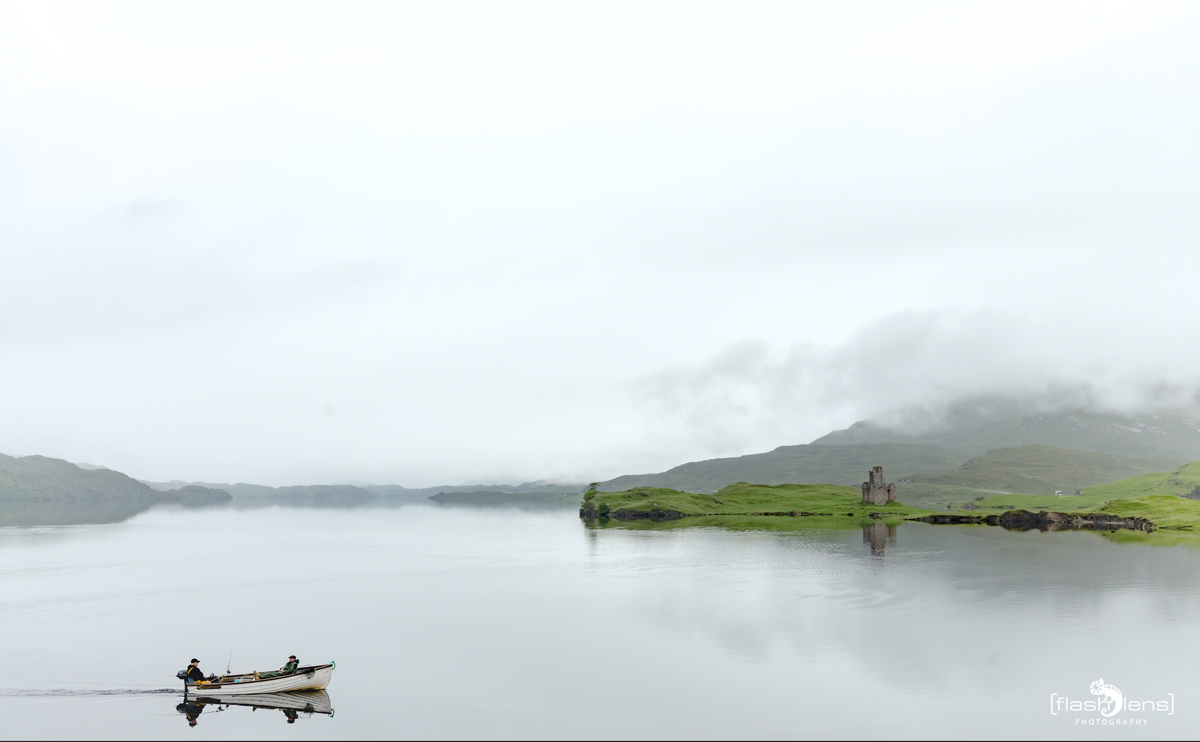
305, 678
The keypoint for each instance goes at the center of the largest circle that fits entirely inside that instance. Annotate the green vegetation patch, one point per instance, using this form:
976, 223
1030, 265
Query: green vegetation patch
1132, 492
1026, 470
750, 499
1183, 482
999, 503
1165, 511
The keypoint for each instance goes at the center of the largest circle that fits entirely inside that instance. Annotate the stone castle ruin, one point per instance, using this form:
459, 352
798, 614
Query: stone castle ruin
875, 491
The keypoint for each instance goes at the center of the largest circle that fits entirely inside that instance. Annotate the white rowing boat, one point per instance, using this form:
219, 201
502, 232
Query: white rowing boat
314, 677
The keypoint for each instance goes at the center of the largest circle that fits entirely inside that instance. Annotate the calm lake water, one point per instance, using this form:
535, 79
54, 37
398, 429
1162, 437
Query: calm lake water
452, 623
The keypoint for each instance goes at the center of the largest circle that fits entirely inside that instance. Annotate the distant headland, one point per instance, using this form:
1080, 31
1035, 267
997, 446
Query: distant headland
837, 505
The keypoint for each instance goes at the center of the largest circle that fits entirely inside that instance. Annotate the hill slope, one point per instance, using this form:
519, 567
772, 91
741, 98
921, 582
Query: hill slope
31, 478
805, 464
1174, 436
1183, 482
1030, 470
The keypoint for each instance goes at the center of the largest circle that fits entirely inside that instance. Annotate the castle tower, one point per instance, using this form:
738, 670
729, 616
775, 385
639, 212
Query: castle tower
875, 490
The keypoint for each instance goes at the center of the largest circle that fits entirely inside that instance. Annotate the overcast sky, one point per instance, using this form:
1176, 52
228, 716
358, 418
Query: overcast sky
437, 243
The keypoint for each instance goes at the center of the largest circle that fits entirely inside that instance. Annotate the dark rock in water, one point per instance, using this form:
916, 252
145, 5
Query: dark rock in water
951, 520
623, 514
1023, 520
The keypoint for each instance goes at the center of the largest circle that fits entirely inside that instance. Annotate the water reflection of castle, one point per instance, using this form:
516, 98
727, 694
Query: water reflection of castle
879, 535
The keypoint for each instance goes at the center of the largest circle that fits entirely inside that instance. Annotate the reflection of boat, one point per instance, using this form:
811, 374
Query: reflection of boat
314, 677
291, 704
308, 701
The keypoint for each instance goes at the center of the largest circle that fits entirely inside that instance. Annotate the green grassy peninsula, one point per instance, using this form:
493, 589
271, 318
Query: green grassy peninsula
658, 503
836, 506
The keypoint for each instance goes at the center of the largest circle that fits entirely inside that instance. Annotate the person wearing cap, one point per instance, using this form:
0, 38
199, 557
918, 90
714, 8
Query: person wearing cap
193, 671
287, 669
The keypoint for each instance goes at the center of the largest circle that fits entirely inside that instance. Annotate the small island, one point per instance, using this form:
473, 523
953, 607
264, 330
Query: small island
831, 505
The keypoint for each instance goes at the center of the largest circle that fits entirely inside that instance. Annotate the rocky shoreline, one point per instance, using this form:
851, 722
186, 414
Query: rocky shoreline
1023, 520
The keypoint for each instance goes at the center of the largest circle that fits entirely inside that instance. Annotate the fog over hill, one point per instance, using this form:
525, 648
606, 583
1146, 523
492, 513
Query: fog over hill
923, 441
1163, 435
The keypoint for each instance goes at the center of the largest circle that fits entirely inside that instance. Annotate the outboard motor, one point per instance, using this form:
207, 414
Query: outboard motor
182, 675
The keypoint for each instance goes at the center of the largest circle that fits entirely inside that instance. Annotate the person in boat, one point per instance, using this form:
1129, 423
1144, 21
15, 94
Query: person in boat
287, 669
193, 672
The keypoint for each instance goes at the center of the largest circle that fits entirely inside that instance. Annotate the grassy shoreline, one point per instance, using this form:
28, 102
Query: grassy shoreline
742, 499
838, 506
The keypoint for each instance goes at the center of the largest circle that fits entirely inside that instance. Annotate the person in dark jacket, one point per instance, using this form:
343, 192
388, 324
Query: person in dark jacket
287, 669
193, 671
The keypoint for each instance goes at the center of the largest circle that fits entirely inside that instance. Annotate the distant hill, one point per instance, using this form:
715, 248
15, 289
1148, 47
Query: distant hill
318, 494
494, 498
324, 494
1173, 436
30, 478
542, 486
1030, 470
804, 464
194, 495
353, 493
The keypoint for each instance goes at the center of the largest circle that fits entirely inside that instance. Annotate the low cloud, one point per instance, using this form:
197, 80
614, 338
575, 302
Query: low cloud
911, 368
